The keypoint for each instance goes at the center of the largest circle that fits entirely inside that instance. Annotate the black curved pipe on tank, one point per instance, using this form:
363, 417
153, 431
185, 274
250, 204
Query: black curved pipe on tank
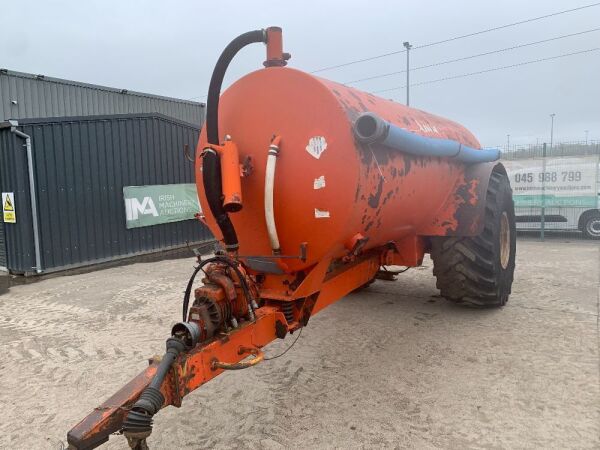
211, 166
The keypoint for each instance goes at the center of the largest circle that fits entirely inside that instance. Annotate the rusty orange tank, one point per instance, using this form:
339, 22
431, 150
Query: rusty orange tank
313, 190
330, 188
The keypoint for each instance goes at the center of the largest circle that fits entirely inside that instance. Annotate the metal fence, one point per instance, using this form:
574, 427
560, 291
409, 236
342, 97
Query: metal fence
556, 189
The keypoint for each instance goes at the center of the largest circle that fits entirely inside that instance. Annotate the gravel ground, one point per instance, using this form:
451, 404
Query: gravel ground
394, 366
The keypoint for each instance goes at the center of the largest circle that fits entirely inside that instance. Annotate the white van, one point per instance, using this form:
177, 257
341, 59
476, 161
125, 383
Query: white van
560, 192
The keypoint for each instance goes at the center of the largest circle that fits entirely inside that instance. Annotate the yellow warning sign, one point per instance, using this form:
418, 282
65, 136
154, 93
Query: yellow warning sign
8, 207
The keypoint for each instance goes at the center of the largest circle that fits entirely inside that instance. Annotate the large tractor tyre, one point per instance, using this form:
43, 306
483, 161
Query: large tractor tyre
478, 271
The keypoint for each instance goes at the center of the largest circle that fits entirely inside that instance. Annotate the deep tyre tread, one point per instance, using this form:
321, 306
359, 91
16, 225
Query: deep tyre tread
468, 269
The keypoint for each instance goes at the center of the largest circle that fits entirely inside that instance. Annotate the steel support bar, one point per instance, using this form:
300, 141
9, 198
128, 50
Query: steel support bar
107, 418
196, 367
190, 371
341, 282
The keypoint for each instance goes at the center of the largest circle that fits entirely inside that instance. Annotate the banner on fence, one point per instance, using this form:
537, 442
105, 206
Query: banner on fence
152, 205
554, 182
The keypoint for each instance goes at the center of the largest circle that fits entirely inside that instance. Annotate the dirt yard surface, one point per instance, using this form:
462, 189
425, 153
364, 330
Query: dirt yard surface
394, 366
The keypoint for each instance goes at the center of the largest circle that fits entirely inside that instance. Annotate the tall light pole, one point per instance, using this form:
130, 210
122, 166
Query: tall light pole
586, 136
407, 46
552, 129
507, 142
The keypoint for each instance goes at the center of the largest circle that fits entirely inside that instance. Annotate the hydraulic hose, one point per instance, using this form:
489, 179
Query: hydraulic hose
211, 166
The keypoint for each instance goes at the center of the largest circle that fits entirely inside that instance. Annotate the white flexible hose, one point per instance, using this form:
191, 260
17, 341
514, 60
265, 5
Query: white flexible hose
269, 210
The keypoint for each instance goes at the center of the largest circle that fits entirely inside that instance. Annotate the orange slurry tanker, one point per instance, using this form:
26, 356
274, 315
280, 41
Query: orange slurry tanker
312, 188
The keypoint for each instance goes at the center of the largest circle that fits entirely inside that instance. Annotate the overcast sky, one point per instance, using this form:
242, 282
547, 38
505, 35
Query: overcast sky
169, 48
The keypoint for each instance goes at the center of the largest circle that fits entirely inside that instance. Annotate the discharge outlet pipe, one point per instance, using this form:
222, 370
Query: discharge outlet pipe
32, 194
211, 164
371, 129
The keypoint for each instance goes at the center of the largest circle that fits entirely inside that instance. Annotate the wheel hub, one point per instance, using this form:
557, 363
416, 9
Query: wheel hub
593, 227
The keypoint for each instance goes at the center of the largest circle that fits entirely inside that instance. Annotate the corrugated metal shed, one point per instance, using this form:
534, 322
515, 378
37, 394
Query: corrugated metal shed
24, 95
81, 165
2, 247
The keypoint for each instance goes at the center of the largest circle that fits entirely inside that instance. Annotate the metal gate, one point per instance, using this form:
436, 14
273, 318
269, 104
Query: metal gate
556, 189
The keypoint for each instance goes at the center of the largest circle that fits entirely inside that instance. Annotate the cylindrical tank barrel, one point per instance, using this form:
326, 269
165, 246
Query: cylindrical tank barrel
330, 186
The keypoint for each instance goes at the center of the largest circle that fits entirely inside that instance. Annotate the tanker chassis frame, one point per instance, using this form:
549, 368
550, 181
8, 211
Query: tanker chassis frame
239, 310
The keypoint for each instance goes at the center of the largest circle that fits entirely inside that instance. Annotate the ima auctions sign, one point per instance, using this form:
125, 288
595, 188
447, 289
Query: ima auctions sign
554, 182
152, 205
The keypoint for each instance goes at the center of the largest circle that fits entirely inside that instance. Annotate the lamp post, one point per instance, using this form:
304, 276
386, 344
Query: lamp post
507, 142
586, 136
407, 46
552, 129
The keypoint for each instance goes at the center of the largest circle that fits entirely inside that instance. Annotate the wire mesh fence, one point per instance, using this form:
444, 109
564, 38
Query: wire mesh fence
555, 189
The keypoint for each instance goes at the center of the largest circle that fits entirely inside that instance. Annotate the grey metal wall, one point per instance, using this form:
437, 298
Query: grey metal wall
2, 245
41, 96
81, 166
